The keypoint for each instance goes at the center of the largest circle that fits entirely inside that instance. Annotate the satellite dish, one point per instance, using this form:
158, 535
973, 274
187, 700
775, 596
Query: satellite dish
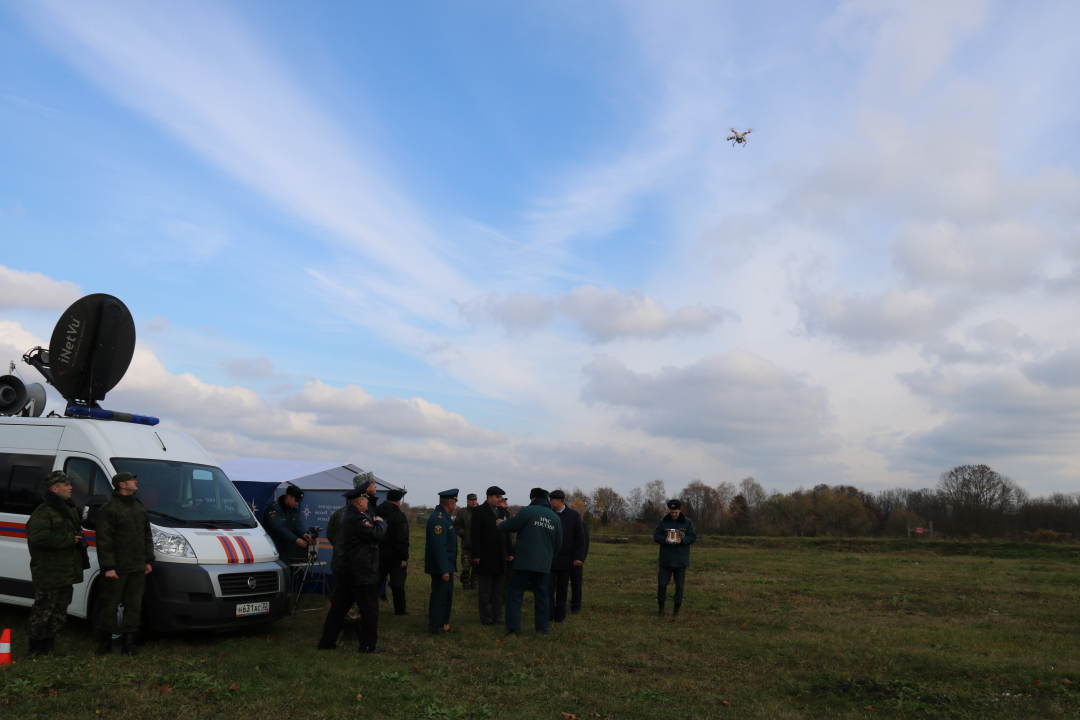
91, 348
12, 395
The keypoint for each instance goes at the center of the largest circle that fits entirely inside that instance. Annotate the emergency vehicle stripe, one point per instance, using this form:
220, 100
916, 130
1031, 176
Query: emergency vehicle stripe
15, 530
248, 557
229, 552
91, 537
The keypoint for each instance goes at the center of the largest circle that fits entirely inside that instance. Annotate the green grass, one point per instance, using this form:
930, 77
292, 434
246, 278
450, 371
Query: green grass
778, 628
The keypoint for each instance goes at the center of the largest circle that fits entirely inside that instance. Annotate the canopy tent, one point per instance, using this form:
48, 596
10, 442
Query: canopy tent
263, 480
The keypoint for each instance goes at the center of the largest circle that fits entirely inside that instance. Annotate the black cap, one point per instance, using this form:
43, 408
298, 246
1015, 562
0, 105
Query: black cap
557, 495
674, 504
295, 492
121, 477
495, 490
395, 495
354, 493
449, 494
538, 494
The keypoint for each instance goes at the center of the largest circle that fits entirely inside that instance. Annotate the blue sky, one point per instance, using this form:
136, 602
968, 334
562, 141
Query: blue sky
464, 243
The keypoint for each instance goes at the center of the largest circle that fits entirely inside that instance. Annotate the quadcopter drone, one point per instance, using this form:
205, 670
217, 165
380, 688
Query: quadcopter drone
738, 138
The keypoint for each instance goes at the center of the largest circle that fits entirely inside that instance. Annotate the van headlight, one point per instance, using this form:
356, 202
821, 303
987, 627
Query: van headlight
170, 544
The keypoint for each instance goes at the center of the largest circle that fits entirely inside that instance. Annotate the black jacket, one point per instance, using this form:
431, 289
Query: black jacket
360, 547
394, 546
573, 540
489, 545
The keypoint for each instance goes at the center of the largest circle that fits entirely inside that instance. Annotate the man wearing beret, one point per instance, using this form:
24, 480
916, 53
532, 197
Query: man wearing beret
394, 548
463, 528
281, 519
492, 553
440, 562
675, 533
539, 538
57, 559
357, 579
125, 549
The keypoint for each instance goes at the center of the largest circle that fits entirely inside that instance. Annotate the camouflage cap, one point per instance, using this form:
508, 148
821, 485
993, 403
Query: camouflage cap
121, 477
56, 476
470, 496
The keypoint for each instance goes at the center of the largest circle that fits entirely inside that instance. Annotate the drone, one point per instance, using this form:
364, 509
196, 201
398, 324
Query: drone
739, 138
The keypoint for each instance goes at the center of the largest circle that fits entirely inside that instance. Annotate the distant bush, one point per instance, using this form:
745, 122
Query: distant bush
1041, 535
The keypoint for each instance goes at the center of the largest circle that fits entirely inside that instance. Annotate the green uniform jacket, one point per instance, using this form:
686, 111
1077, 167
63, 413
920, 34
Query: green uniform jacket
283, 524
440, 552
56, 560
333, 529
675, 555
124, 542
463, 526
539, 537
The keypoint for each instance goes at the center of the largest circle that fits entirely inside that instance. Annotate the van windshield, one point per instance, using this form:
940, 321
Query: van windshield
180, 493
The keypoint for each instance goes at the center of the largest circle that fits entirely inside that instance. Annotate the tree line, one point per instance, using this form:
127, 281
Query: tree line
969, 500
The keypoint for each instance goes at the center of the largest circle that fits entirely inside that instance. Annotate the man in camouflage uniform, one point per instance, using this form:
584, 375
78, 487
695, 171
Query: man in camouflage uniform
463, 528
125, 549
57, 560
365, 481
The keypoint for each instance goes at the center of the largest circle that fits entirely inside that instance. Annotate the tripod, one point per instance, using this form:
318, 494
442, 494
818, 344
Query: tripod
305, 570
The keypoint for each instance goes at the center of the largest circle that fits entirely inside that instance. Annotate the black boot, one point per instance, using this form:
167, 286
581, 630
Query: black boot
105, 638
661, 600
676, 613
129, 644
37, 647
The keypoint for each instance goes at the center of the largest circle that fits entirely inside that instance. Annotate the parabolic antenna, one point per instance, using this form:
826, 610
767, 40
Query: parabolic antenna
91, 348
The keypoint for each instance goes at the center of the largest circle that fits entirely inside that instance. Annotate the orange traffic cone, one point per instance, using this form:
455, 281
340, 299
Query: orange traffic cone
5, 647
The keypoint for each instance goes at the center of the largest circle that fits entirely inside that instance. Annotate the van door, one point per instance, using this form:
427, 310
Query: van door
22, 489
87, 478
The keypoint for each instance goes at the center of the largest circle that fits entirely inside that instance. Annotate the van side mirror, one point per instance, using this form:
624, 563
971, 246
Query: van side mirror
90, 511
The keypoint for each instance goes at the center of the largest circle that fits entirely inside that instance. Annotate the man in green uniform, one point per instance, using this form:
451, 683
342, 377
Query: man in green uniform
463, 528
57, 560
440, 562
125, 549
282, 520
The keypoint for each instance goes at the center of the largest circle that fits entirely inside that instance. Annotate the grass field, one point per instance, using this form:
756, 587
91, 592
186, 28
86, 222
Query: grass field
791, 628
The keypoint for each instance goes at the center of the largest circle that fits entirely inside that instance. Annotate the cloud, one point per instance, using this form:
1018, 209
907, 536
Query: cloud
1059, 371
251, 368
878, 320
19, 289
737, 400
602, 315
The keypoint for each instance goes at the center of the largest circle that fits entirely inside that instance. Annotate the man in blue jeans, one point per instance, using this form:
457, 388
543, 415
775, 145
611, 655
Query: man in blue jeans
539, 537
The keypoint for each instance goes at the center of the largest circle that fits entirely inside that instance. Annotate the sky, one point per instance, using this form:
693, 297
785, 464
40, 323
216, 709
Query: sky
474, 243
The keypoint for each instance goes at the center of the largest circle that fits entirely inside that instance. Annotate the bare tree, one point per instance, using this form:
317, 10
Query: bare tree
978, 499
752, 493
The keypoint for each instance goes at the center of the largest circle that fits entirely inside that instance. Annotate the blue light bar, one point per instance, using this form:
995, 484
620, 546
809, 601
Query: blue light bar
99, 414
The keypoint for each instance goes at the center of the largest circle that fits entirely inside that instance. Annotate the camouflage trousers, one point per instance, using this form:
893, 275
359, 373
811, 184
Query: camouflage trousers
468, 574
127, 590
49, 612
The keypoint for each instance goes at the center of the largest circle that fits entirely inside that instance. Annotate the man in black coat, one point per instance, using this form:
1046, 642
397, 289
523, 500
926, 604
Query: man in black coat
359, 575
576, 575
394, 548
492, 553
570, 556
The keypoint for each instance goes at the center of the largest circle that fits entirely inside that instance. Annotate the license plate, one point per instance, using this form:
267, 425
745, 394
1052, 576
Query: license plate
259, 608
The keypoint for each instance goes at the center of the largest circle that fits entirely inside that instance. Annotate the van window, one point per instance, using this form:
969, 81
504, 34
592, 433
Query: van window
22, 479
179, 493
87, 478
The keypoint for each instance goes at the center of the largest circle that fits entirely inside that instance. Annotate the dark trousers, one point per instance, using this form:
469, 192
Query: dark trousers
397, 576
127, 590
664, 577
365, 597
575, 588
520, 581
558, 582
49, 612
441, 603
491, 590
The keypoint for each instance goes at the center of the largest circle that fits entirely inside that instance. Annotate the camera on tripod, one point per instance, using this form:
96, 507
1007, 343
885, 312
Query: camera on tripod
313, 546
314, 531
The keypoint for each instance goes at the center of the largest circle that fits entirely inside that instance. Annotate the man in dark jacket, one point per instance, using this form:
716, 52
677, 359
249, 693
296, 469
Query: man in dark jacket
57, 560
440, 562
394, 548
281, 519
492, 553
366, 483
125, 549
358, 575
576, 579
539, 538
570, 555
675, 533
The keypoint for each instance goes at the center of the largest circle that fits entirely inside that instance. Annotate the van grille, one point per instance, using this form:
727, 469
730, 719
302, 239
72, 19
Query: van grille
237, 583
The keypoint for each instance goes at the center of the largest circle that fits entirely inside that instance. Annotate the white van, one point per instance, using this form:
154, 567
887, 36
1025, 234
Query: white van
215, 568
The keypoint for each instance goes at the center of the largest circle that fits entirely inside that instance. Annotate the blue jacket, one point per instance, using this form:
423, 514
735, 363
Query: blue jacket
283, 524
540, 534
440, 551
675, 555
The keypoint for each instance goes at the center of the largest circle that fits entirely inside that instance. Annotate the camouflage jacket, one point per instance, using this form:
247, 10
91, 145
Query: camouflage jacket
463, 526
56, 560
124, 542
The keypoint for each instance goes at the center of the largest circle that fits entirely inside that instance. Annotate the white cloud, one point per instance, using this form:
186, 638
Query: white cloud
20, 289
874, 321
